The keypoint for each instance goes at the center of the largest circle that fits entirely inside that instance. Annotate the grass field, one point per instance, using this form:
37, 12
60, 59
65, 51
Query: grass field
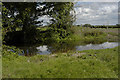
94, 35
82, 64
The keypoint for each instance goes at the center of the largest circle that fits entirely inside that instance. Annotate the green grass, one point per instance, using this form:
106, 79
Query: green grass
43, 28
88, 35
82, 64
94, 35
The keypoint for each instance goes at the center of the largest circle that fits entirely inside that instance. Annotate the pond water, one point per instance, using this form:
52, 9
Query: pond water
104, 45
49, 49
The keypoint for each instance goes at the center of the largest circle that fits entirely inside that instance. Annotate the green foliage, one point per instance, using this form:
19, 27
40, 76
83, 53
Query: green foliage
101, 26
86, 25
94, 36
93, 32
25, 17
7, 51
88, 35
62, 20
5, 21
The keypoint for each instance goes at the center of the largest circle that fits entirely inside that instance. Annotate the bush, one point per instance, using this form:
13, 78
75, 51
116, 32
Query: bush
93, 32
7, 50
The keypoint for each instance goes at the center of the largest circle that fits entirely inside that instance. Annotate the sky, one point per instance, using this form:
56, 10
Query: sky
94, 13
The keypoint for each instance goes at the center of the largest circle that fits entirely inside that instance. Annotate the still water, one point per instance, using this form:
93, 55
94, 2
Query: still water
48, 49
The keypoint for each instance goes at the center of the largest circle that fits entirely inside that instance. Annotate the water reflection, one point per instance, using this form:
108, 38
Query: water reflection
43, 49
97, 46
63, 47
28, 50
47, 49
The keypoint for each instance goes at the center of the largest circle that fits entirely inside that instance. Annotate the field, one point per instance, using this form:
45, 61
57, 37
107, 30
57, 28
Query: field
94, 35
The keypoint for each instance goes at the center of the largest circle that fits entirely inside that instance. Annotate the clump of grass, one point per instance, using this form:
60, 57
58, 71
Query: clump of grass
113, 34
92, 32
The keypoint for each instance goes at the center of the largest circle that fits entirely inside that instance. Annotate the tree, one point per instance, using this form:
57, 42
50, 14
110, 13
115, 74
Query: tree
25, 15
87, 25
62, 18
22, 15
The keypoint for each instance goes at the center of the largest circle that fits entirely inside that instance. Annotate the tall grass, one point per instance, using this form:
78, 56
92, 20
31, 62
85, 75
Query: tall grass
88, 35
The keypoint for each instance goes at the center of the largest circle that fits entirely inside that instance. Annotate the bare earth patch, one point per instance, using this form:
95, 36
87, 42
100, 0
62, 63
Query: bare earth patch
78, 54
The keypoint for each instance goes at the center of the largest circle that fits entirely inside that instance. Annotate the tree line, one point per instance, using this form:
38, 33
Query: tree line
100, 26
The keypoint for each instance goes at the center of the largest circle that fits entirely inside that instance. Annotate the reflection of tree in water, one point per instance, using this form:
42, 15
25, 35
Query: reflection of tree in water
42, 48
29, 50
61, 47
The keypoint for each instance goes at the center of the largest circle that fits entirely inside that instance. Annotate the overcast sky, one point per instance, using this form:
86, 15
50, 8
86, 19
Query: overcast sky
95, 13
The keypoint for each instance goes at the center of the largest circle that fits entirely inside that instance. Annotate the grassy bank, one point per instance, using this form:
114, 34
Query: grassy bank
82, 64
94, 35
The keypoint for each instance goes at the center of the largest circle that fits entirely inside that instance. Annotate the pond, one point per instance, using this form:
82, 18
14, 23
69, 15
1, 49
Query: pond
63, 47
104, 45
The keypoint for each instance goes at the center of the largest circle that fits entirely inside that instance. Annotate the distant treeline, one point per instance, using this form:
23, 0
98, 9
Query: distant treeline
100, 26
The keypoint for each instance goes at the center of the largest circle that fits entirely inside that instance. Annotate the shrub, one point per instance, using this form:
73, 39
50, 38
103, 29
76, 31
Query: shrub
93, 32
7, 50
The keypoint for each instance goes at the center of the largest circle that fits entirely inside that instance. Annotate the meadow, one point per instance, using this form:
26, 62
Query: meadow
82, 64
101, 63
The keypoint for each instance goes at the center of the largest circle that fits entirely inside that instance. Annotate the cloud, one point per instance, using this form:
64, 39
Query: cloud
46, 19
42, 48
93, 13
97, 0
107, 9
96, 13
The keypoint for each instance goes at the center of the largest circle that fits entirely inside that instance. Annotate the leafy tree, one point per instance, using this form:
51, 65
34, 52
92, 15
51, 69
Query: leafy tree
62, 18
25, 15
87, 25
21, 15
